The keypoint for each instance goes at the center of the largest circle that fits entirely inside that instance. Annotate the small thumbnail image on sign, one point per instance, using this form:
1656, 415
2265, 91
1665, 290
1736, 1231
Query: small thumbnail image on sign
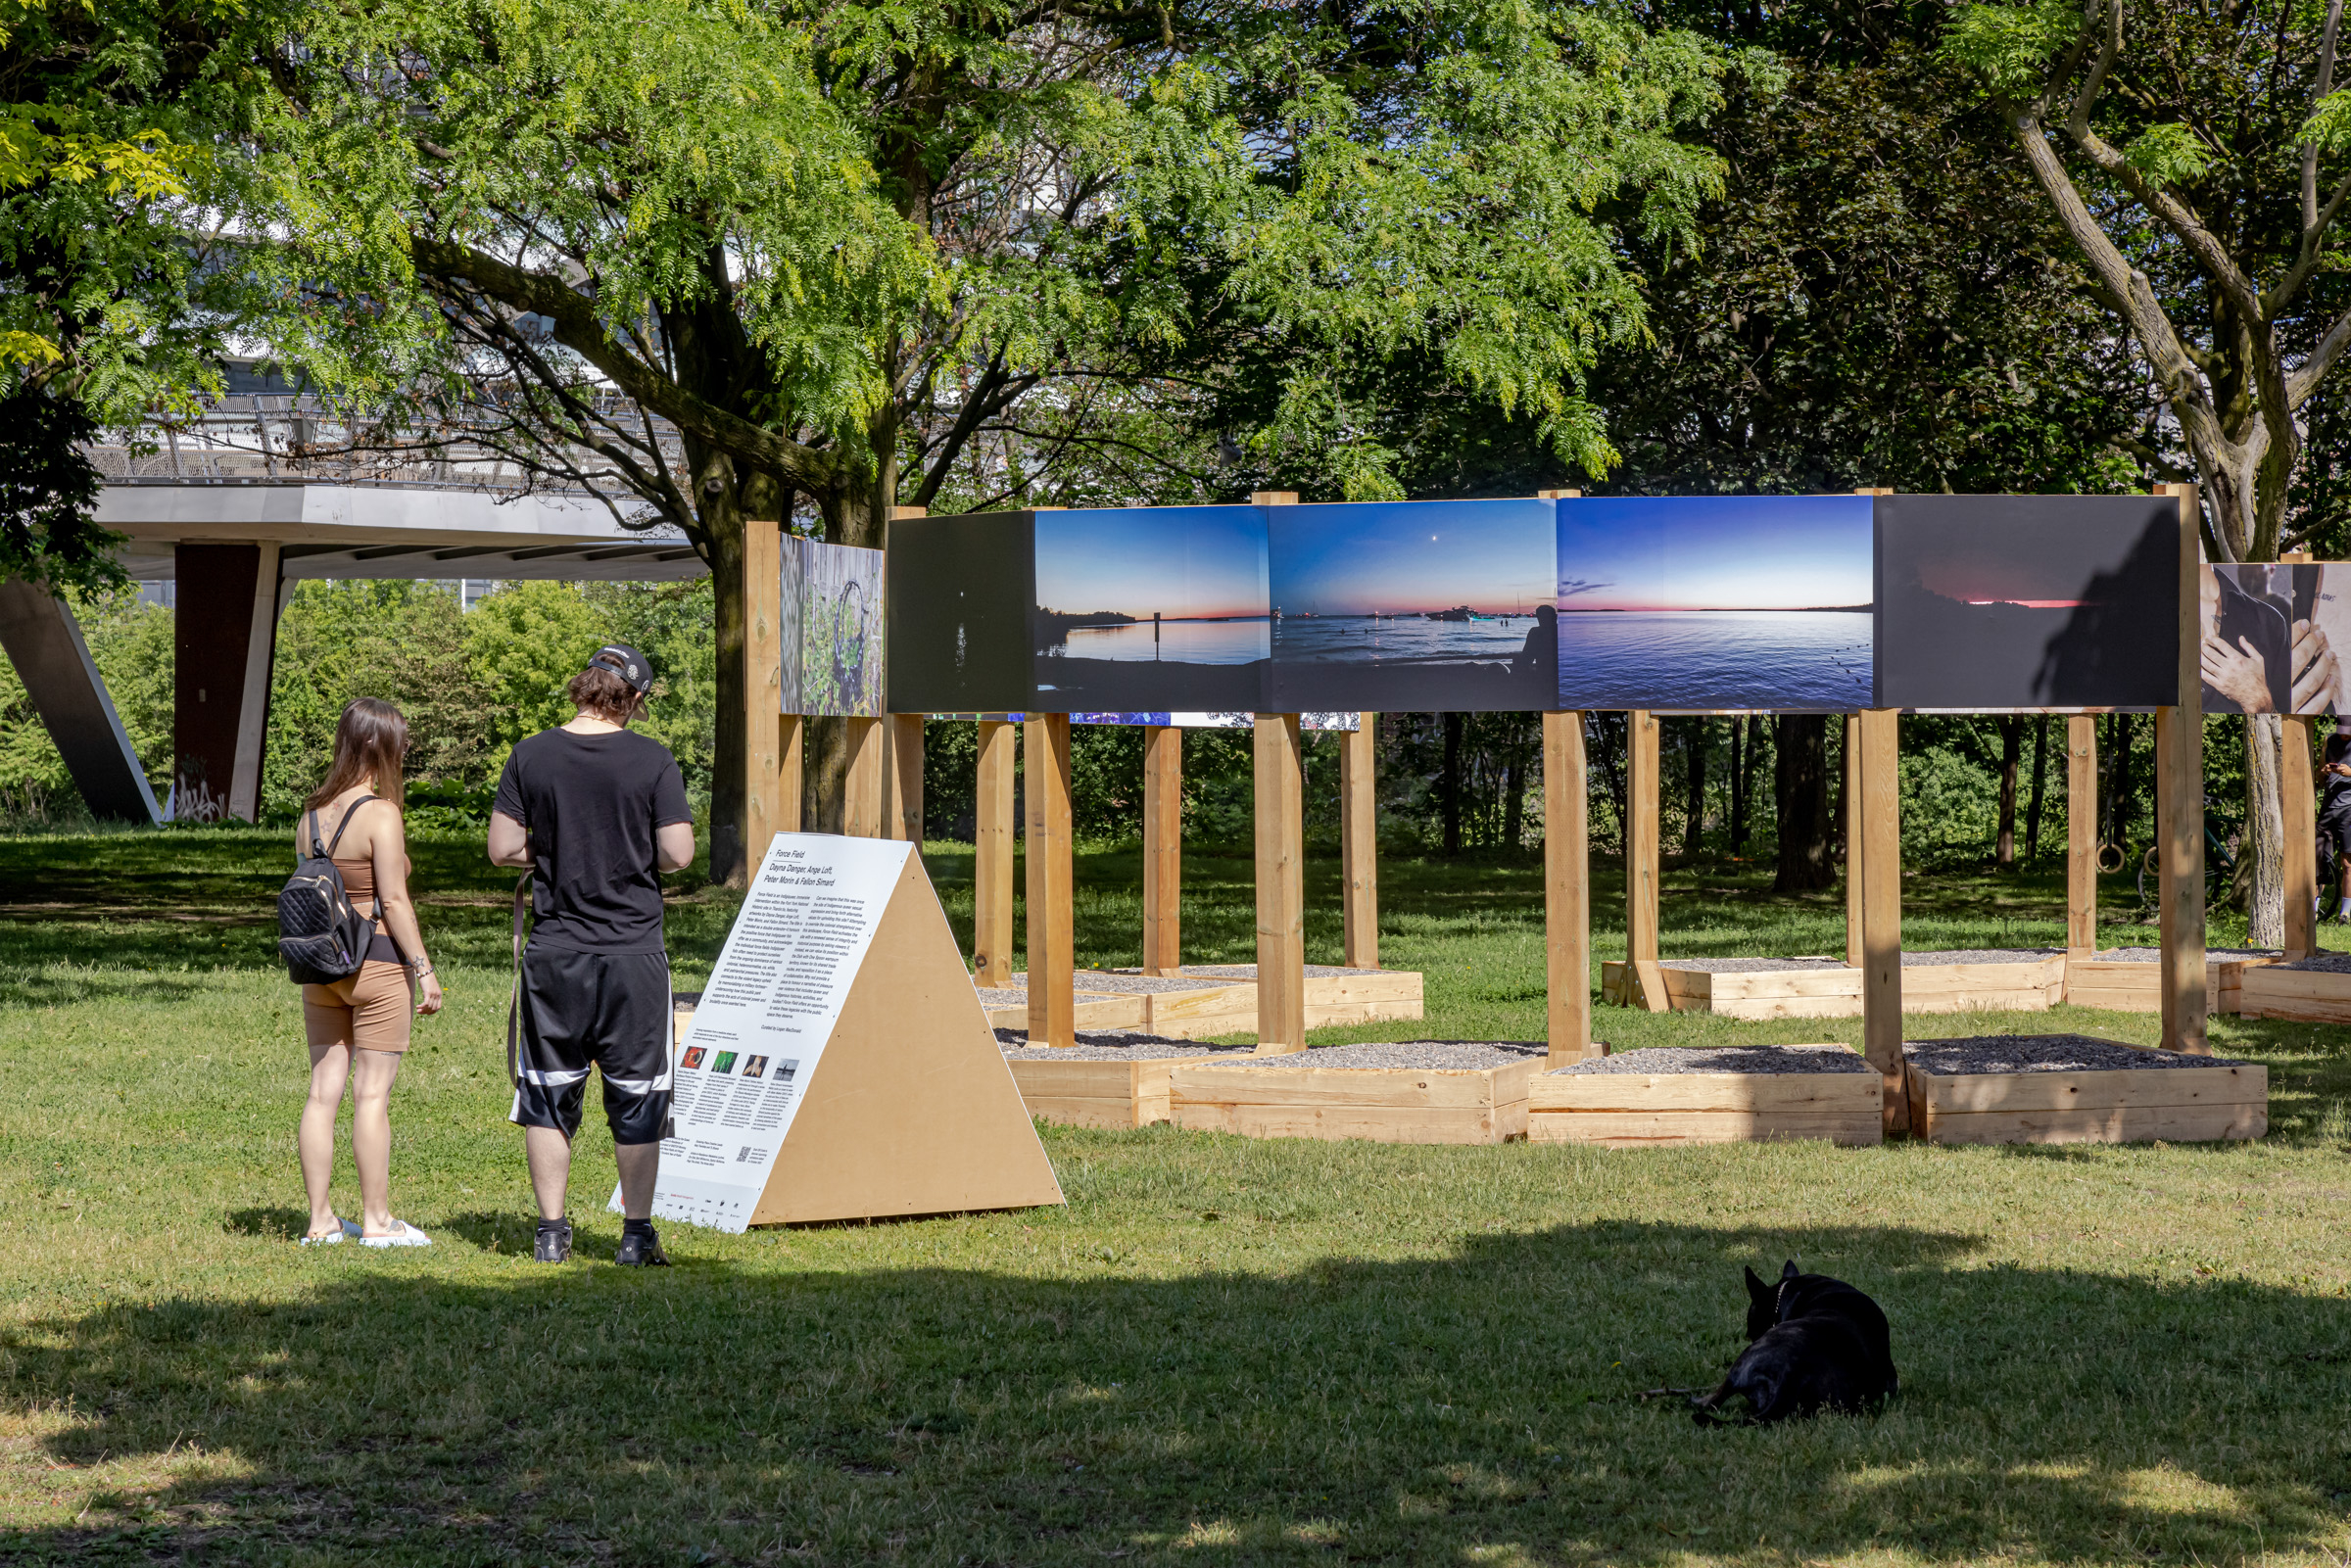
694, 1057
755, 1066
725, 1061
787, 1067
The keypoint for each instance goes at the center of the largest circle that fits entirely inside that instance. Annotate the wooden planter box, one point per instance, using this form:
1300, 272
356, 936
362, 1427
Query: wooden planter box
1115, 1094
1091, 1010
1355, 996
1647, 1111
2130, 986
2182, 1104
1383, 1105
2301, 996
2033, 985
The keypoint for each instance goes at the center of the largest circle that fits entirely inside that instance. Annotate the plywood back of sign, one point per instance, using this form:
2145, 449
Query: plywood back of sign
1276, 764
1882, 907
1162, 849
1359, 843
864, 784
911, 1109
1052, 1019
2081, 835
1567, 890
2179, 805
992, 858
1641, 850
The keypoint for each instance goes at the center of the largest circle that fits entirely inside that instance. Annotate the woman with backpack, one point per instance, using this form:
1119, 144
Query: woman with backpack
359, 1025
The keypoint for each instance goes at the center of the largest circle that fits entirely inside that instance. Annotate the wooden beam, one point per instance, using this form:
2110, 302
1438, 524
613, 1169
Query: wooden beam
791, 770
1162, 849
2180, 806
993, 833
1052, 995
1359, 842
865, 789
2081, 835
1854, 879
1641, 858
2297, 787
1567, 891
1882, 907
1280, 885
903, 813
1273, 498
762, 686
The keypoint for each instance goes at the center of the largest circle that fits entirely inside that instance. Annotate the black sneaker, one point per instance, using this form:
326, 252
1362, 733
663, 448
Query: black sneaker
641, 1249
555, 1241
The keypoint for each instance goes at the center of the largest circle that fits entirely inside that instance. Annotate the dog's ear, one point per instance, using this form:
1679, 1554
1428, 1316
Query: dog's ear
1756, 1289
1789, 1273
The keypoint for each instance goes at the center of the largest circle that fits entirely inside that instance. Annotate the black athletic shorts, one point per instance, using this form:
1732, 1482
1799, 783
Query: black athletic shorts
609, 1010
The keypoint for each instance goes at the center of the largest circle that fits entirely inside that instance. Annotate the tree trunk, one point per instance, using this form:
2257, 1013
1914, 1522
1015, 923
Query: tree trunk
1452, 784
1737, 788
2263, 846
2118, 786
2012, 741
1801, 792
1514, 791
1694, 821
2040, 764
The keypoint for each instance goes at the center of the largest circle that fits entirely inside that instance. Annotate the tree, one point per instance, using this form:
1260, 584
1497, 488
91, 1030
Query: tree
111, 301
968, 252
2197, 156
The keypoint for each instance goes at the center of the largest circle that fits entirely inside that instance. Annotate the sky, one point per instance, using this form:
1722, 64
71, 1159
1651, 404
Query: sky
1715, 553
1410, 556
1183, 562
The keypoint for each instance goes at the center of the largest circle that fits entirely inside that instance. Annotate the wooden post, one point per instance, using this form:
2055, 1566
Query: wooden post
903, 814
2297, 783
1641, 858
1567, 891
1162, 849
1273, 498
2180, 806
992, 856
2081, 835
1359, 842
1052, 997
1280, 887
862, 812
1881, 823
762, 686
1855, 839
791, 776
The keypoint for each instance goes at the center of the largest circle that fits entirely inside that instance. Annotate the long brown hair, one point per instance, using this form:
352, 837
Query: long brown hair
370, 740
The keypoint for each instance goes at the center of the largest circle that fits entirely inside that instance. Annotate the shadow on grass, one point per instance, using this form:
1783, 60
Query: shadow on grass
1477, 1407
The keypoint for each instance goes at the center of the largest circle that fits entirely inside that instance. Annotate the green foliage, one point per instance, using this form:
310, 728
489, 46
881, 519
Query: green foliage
49, 493
2169, 154
2009, 47
523, 644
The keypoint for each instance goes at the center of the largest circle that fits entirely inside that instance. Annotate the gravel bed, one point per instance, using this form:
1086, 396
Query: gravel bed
2323, 963
1128, 981
998, 996
1754, 966
1437, 1055
2043, 1053
2148, 955
1108, 1045
1248, 972
1671, 1059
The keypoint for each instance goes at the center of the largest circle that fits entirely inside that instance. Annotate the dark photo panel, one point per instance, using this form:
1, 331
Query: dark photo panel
1411, 606
2028, 602
1715, 602
959, 594
2276, 638
1150, 608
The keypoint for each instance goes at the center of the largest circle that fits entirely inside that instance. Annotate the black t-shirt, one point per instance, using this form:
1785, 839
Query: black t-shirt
590, 804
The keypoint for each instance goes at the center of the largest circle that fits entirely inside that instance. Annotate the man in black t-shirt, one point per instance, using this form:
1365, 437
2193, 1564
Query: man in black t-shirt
597, 814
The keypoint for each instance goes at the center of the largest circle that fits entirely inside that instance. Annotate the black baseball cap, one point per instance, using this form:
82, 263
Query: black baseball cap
627, 663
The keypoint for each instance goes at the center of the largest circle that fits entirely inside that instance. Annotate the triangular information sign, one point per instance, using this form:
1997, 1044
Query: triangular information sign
840, 1066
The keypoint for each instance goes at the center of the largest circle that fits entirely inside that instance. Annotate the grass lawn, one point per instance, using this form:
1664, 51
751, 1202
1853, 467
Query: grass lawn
1220, 1351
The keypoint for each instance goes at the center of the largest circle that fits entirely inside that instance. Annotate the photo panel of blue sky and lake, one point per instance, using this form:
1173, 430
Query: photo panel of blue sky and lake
1757, 603
1151, 608
1411, 606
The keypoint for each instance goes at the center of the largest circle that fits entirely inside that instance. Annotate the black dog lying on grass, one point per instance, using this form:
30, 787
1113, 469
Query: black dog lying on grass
1814, 1344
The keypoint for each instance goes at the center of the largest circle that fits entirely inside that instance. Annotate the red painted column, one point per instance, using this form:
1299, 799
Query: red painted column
225, 598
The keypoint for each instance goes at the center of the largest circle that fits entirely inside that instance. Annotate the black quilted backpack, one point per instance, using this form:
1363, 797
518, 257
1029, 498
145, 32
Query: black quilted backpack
320, 935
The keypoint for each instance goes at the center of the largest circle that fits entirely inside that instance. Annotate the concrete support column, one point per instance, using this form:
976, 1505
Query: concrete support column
45, 645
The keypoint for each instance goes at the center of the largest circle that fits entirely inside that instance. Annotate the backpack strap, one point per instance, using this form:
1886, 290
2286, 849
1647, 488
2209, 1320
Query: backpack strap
349, 813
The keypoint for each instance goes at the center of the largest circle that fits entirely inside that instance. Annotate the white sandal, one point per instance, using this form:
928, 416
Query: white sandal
330, 1238
402, 1234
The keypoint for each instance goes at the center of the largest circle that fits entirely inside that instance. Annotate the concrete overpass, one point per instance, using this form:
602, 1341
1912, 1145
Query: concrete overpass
238, 507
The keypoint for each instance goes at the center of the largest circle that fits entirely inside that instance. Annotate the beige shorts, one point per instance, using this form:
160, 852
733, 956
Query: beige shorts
370, 1010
